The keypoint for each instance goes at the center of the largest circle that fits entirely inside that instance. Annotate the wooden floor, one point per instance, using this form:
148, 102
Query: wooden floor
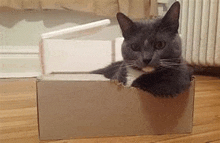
18, 116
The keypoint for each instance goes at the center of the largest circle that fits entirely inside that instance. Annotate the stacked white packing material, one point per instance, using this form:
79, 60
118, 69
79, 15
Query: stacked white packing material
60, 52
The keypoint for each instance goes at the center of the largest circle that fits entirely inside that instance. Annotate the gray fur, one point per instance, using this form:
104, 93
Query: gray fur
155, 43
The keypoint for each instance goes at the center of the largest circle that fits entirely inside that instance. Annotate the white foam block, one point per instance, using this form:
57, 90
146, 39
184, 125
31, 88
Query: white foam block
75, 55
118, 43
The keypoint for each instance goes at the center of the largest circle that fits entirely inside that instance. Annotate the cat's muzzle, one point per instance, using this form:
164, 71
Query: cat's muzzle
148, 69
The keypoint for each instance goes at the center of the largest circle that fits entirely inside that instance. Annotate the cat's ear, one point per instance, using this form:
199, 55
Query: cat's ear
127, 25
171, 18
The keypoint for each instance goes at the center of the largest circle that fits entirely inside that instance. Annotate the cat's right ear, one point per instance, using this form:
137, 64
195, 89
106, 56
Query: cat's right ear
127, 25
171, 19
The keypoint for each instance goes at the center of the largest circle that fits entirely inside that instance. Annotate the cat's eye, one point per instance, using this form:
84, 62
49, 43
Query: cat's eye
135, 47
159, 45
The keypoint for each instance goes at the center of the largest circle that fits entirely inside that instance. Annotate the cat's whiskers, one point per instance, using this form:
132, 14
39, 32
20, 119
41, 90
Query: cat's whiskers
173, 60
175, 63
170, 59
171, 63
130, 63
127, 65
170, 66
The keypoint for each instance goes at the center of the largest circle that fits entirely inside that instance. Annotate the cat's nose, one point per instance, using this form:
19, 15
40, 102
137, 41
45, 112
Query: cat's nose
146, 61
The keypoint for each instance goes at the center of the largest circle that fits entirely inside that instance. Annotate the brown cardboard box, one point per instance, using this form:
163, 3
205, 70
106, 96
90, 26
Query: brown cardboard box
82, 106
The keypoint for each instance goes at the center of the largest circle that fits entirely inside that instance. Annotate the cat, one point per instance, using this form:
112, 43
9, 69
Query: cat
151, 53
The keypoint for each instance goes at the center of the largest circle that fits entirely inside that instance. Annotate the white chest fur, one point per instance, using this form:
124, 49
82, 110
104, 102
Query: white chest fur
132, 74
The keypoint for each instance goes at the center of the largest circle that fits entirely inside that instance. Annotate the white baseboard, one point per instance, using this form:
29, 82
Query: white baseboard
19, 61
20, 75
19, 49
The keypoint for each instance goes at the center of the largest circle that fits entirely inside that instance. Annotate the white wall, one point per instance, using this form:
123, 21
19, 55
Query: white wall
20, 36
24, 28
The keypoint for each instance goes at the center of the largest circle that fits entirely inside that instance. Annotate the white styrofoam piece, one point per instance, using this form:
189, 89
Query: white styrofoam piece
76, 31
197, 30
212, 32
217, 46
204, 33
118, 54
75, 55
190, 27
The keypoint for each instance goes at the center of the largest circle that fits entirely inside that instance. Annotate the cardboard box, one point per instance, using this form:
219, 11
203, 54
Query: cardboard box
85, 105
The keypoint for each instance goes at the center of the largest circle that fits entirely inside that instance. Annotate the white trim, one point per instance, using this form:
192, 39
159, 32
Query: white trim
19, 49
19, 65
20, 56
19, 75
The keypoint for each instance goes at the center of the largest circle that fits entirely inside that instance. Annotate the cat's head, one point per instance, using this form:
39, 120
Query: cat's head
146, 44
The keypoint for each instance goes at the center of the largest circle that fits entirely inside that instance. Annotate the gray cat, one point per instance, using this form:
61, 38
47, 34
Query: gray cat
151, 56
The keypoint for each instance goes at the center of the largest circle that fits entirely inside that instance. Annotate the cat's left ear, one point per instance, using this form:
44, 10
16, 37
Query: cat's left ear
171, 19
